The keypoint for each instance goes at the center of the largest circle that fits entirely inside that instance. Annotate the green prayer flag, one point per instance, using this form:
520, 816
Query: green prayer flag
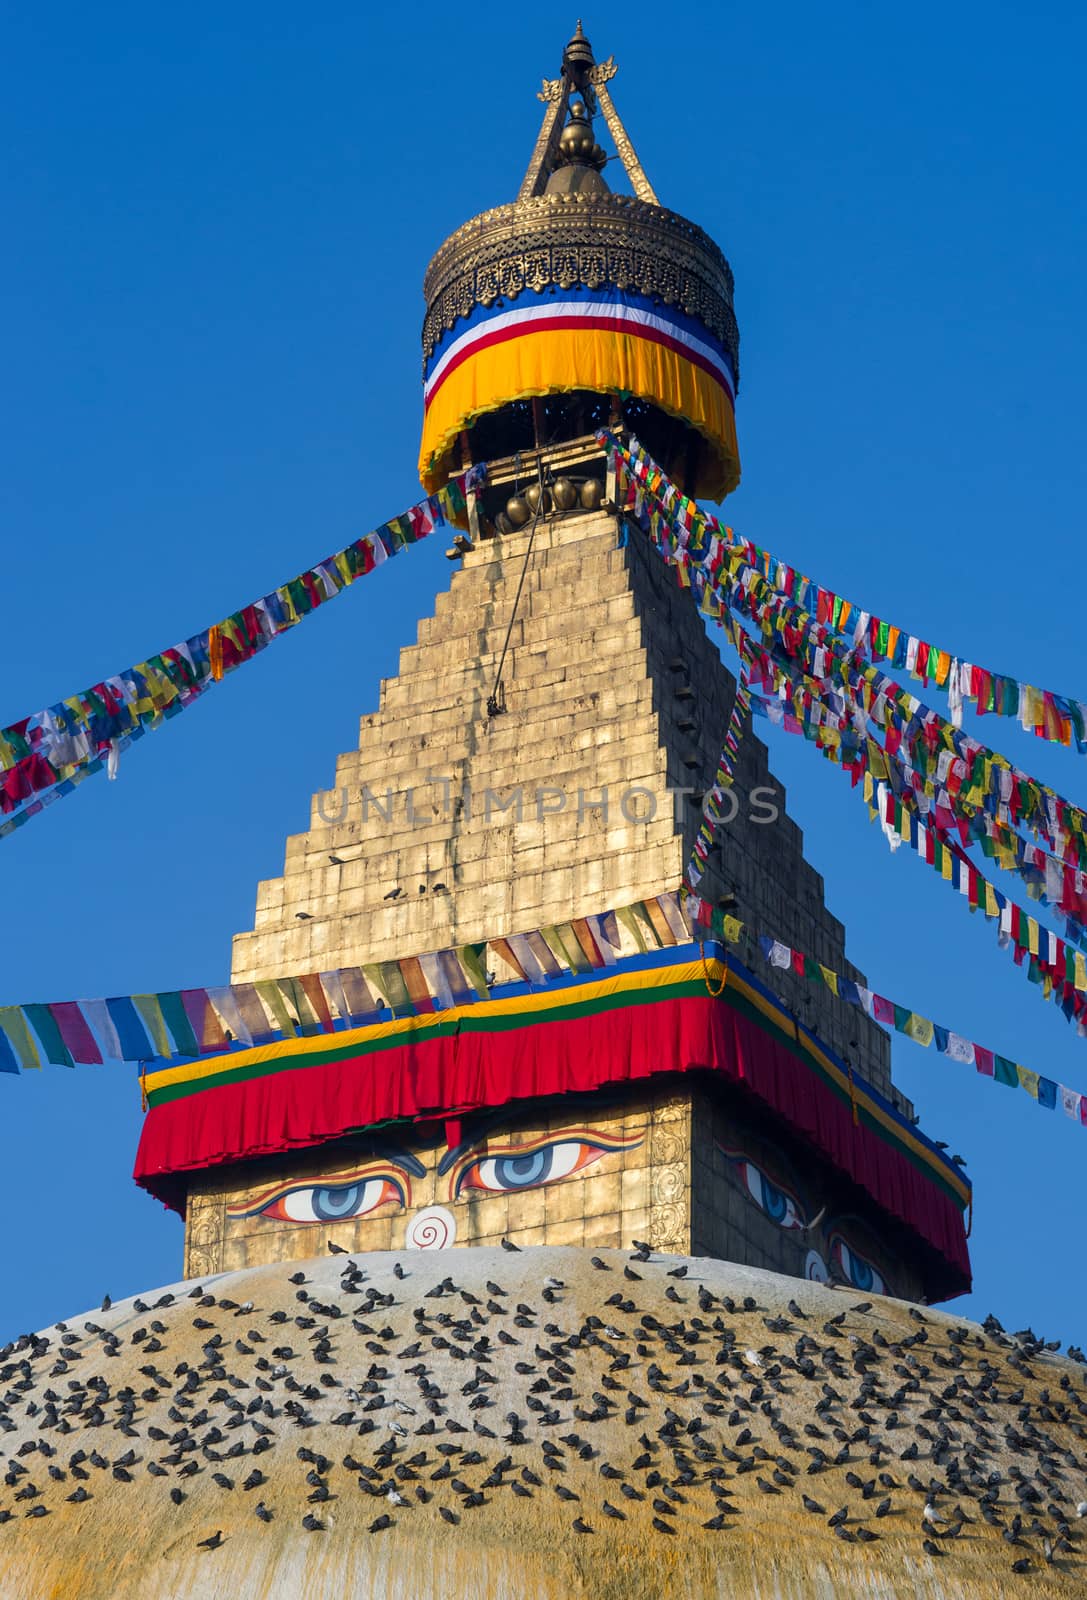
42, 1021
471, 960
1005, 1071
297, 998
388, 979
177, 1020
274, 1003
630, 923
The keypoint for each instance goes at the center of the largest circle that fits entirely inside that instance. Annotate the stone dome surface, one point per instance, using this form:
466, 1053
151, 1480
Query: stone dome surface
544, 1423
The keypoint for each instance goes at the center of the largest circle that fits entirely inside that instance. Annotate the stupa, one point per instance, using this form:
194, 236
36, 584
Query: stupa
686, 1352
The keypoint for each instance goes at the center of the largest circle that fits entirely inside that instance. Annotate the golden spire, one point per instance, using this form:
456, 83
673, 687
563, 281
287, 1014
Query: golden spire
583, 75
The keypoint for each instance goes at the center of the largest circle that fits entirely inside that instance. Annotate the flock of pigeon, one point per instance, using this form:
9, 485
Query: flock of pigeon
436, 1385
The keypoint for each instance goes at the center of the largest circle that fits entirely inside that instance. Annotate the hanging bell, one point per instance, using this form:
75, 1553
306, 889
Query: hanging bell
538, 499
565, 493
518, 510
592, 494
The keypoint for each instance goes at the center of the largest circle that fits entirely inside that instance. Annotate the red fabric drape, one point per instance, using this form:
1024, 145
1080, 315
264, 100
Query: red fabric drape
306, 1105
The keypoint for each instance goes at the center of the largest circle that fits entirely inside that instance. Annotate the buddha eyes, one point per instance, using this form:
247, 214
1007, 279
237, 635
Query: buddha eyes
505, 1172
327, 1202
776, 1203
855, 1268
380, 1185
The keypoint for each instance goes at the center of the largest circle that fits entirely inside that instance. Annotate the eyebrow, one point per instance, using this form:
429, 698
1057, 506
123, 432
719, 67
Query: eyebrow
397, 1157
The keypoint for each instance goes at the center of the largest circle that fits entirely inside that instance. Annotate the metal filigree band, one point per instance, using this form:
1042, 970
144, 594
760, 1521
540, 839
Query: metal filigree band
567, 240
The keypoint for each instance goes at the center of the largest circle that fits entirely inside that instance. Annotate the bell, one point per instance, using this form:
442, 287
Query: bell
538, 500
518, 510
592, 494
565, 493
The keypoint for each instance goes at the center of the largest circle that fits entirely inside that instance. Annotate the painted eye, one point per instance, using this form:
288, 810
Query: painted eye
528, 1169
332, 1202
777, 1204
856, 1269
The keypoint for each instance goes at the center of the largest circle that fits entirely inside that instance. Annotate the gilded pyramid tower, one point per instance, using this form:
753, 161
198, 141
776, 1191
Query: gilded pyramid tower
512, 829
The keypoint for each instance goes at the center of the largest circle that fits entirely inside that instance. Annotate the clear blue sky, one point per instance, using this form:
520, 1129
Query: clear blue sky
216, 223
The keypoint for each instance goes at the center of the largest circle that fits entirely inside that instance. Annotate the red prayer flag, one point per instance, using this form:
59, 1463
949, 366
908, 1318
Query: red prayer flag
78, 1038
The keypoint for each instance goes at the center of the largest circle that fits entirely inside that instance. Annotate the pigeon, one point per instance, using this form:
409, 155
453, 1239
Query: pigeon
262, 1511
380, 1523
312, 1524
449, 1516
508, 1245
337, 1249
212, 1542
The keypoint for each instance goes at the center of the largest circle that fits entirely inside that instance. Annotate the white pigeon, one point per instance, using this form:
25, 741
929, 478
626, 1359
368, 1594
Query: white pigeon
753, 1358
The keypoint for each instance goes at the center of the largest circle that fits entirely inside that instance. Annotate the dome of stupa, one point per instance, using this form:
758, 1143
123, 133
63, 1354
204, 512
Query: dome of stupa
544, 1423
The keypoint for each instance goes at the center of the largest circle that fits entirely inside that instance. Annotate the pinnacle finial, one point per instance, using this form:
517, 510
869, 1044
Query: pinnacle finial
579, 52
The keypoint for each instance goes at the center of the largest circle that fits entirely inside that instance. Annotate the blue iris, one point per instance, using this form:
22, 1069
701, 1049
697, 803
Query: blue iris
860, 1272
774, 1202
330, 1204
520, 1172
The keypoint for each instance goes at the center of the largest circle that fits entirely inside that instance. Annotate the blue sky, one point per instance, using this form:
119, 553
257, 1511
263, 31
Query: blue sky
217, 222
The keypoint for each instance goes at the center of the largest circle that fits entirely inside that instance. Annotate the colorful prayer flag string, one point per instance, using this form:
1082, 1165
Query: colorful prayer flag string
966, 779
1059, 718
45, 755
902, 1018
182, 1025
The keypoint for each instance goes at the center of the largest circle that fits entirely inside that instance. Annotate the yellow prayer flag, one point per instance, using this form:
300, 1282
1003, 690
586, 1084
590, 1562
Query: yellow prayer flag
1080, 979
830, 978
273, 1002
1032, 936
943, 666
154, 1021
22, 1040
992, 908
733, 929
919, 1029
1028, 1080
